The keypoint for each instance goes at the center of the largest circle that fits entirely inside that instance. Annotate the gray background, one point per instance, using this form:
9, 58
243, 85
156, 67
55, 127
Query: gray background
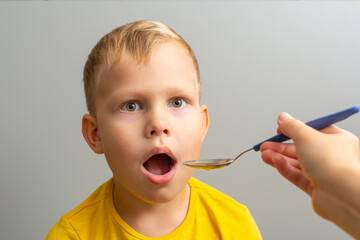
256, 59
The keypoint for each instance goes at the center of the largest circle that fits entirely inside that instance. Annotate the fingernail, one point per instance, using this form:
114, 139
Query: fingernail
284, 116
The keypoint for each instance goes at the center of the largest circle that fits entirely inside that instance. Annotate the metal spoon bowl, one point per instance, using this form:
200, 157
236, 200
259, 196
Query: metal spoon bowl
318, 124
211, 164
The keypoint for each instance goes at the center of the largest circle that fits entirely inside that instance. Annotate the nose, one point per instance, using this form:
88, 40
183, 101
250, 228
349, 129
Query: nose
157, 123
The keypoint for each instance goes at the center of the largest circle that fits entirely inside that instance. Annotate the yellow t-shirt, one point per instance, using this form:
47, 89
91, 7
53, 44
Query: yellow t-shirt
211, 215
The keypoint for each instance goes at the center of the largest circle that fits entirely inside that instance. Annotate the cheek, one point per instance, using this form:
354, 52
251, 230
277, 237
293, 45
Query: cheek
190, 132
118, 129
118, 143
193, 125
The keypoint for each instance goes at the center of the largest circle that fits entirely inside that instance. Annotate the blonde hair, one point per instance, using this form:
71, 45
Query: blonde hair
139, 39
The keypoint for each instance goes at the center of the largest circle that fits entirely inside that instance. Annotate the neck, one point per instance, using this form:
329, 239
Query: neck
151, 219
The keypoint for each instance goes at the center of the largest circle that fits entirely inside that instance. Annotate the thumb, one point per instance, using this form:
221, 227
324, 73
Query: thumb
293, 128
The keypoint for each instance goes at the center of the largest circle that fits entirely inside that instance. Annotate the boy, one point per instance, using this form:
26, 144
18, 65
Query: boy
143, 95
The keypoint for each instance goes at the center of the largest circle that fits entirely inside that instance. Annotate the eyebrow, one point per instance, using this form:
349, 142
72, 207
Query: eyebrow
129, 93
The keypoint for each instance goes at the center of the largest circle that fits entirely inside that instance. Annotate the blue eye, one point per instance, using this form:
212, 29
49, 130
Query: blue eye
178, 102
130, 107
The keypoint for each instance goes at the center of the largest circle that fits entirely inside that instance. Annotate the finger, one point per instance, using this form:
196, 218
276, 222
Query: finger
296, 129
292, 174
332, 129
293, 128
268, 156
287, 149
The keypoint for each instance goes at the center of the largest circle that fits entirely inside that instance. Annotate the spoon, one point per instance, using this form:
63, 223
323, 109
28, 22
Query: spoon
318, 124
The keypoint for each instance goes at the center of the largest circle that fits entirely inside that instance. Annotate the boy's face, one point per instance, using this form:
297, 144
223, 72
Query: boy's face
149, 121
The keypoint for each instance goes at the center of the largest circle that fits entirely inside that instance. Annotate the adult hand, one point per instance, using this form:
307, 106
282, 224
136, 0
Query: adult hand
325, 164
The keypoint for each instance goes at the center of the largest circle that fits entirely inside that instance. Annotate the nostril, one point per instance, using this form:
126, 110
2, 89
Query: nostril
153, 132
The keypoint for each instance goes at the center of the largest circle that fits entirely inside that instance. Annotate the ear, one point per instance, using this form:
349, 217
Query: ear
205, 121
91, 133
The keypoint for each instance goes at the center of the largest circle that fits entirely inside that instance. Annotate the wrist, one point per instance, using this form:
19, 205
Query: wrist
340, 185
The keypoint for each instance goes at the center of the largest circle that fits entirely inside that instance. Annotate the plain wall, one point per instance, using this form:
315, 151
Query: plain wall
257, 59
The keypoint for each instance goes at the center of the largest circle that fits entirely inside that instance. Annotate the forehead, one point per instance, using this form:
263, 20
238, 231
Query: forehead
170, 62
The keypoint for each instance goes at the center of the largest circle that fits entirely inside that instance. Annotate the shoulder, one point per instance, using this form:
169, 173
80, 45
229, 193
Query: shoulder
92, 203
62, 230
83, 216
232, 220
208, 193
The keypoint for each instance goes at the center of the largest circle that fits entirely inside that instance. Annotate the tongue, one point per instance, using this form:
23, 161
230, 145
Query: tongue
158, 164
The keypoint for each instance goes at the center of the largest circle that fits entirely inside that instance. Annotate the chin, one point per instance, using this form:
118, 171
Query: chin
167, 193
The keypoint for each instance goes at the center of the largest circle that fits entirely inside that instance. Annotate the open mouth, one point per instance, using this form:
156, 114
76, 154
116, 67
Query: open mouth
159, 164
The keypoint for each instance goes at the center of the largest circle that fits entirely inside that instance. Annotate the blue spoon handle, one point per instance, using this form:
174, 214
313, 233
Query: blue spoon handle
318, 124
